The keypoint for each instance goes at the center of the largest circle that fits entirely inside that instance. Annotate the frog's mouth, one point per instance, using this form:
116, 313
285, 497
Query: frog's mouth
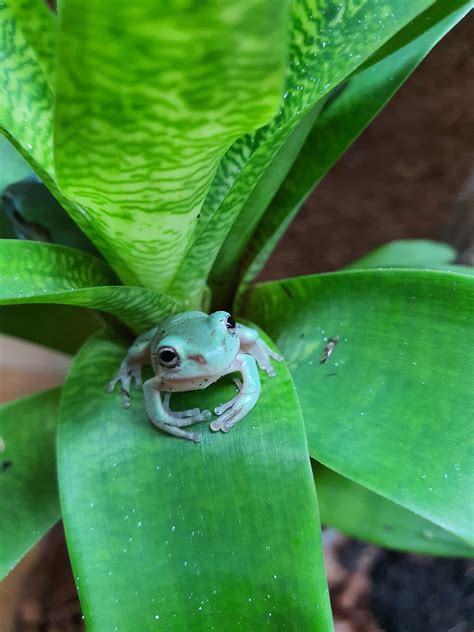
22, 228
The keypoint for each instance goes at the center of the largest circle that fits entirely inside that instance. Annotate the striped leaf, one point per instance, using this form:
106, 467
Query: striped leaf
329, 41
150, 95
33, 272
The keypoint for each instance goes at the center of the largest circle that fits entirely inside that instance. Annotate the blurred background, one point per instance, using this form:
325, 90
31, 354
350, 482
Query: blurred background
402, 179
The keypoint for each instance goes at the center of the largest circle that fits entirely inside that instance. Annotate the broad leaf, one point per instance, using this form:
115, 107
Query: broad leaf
29, 503
341, 122
359, 513
392, 408
328, 42
33, 272
60, 327
147, 109
167, 534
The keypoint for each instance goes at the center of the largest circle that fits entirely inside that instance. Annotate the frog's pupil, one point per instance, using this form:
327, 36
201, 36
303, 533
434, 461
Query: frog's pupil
167, 355
230, 323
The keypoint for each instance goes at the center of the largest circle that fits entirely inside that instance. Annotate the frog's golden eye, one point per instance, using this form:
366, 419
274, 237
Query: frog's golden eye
230, 324
168, 357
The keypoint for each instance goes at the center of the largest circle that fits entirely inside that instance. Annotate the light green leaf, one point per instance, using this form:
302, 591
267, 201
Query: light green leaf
29, 503
60, 327
167, 534
406, 253
341, 122
26, 98
392, 408
359, 513
329, 40
145, 112
33, 272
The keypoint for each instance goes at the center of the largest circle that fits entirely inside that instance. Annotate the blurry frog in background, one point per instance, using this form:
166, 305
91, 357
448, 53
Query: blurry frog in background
35, 214
188, 352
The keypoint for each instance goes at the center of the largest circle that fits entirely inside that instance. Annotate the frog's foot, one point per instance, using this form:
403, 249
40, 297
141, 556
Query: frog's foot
185, 417
174, 430
223, 407
125, 375
235, 410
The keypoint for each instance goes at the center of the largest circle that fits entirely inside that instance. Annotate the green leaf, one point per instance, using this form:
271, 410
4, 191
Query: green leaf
56, 274
359, 513
29, 503
171, 535
329, 40
409, 253
392, 407
145, 112
60, 327
342, 121
26, 98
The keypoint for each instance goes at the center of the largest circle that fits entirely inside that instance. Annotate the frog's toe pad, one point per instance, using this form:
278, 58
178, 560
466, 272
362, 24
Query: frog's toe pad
215, 425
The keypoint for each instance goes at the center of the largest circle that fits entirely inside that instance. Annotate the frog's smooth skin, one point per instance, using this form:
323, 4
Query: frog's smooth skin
188, 352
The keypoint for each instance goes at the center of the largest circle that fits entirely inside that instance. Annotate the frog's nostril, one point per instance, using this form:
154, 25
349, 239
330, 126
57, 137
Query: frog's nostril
200, 359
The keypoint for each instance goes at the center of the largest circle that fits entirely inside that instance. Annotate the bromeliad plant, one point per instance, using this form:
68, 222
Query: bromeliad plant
182, 137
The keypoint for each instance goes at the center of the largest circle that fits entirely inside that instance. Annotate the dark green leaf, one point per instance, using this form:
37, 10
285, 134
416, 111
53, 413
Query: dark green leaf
60, 327
33, 272
359, 513
167, 534
343, 119
392, 408
29, 503
329, 40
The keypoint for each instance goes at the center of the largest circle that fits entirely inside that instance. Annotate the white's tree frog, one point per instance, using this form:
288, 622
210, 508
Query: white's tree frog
188, 352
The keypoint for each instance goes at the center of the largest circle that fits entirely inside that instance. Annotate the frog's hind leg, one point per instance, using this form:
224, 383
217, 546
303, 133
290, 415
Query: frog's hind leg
242, 404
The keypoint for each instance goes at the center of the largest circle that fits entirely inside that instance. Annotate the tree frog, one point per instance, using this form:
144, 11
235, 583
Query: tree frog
188, 352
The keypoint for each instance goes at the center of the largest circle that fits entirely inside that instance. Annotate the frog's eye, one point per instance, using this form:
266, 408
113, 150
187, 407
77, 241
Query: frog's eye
168, 357
230, 324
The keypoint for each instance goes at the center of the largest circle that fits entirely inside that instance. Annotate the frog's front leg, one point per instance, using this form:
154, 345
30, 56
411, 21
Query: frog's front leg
131, 367
166, 420
242, 404
251, 343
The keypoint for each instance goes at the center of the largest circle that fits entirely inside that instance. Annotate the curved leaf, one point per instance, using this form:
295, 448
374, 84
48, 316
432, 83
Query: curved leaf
33, 272
409, 253
29, 502
329, 40
392, 408
166, 534
191, 80
359, 513
341, 122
